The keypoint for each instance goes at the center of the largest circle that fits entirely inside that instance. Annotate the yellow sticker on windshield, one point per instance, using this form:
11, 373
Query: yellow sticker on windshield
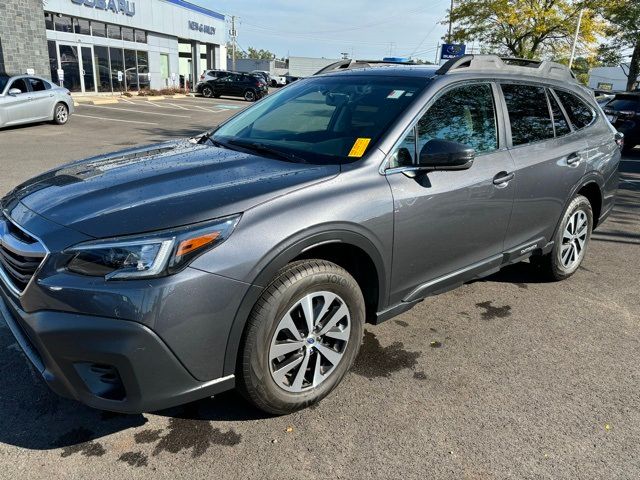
359, 147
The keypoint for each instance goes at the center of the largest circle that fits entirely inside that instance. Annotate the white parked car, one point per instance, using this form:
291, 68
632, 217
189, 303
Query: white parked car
28, 99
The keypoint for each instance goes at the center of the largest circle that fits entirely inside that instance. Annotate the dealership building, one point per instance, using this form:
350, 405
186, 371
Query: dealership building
92, 46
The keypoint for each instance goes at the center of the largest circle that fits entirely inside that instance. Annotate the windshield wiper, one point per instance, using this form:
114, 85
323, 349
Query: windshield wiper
262, 148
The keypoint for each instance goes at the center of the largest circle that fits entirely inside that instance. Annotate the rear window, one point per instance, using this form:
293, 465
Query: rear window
580, 114
528, 114
625, 103
38, 85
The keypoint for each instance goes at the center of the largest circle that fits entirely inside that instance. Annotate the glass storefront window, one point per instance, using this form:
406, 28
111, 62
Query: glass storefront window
98, 29
103, 71
81, 26
143, 70
141, 36
62, 23
127, 34
53, 61
131, 70
48, 20
117, 65
113, 31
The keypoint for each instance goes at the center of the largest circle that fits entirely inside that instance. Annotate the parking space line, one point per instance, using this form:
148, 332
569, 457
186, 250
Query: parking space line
113, 119
139, 111
144, 103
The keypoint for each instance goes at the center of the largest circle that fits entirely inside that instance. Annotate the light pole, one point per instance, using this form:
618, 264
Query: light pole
575, 39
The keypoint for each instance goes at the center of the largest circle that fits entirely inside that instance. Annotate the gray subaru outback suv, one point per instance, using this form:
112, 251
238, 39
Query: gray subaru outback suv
253, 256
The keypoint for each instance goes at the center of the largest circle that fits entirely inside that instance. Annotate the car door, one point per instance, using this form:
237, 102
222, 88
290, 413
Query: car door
549, 160
450, 225
42, 98
17, 107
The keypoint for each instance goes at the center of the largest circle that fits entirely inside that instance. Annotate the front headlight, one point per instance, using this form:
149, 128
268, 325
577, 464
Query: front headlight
152, 255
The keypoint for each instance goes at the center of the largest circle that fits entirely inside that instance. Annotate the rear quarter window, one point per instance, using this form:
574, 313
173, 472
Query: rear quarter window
580, 114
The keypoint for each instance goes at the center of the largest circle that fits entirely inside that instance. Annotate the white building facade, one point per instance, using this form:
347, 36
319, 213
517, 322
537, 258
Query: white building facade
127, 45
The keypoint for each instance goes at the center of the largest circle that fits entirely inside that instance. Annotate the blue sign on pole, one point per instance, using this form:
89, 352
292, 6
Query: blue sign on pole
452, 50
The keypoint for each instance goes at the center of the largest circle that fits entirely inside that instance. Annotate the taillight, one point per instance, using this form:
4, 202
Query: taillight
201, 77
620, 140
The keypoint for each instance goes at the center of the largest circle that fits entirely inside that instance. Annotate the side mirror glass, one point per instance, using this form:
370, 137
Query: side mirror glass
14, 91
446, 155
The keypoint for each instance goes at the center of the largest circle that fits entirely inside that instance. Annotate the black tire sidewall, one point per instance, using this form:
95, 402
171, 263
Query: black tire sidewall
262, 388
578, 203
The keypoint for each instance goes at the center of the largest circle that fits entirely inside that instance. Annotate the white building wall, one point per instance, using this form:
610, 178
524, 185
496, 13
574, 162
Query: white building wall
613, 75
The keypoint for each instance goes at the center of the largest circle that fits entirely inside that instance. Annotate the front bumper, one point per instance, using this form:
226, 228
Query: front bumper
109, 364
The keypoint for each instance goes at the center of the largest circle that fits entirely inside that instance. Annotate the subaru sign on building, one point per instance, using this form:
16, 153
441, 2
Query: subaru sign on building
118, 45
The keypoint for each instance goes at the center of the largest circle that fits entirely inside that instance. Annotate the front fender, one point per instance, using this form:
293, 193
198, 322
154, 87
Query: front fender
282, 255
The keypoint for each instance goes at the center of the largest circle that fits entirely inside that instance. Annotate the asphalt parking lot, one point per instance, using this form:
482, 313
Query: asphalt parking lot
508, 377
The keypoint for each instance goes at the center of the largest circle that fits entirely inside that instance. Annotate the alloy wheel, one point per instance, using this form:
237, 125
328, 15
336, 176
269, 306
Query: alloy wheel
574, 239
309, 341
61, 114
249, 96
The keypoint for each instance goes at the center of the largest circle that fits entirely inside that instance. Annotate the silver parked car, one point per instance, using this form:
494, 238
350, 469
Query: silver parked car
28, 99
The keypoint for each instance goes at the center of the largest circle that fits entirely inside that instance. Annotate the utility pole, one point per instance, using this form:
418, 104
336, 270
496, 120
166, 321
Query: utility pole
234, 35
450, 26
437, 60
575, 39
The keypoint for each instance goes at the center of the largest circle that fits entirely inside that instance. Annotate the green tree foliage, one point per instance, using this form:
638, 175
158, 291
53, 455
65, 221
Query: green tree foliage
252, 53
624, 29
527, 28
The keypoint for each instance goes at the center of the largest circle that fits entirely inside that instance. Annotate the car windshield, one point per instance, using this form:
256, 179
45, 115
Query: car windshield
620, 104
3, 82
323, 119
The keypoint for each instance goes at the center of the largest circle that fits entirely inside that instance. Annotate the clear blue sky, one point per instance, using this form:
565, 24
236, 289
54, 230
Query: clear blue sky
365, 28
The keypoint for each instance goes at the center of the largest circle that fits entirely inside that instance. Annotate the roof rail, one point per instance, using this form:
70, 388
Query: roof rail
492, 63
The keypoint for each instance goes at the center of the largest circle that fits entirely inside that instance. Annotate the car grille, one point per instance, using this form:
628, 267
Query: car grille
20, 256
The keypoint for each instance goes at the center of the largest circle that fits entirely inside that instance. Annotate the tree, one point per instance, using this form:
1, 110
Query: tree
526, 28
252, 53
624, 28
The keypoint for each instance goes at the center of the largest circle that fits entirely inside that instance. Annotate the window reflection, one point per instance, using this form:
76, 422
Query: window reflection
528, 113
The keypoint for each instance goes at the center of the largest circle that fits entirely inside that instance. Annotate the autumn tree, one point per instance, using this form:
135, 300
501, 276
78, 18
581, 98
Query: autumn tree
526, 28
624, 29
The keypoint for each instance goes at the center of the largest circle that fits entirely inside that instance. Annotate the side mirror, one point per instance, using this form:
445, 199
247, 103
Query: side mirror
446, 155
14, 91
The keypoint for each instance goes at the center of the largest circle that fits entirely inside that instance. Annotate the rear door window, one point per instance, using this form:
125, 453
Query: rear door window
580, 114
559, 120
528, 114
38, 85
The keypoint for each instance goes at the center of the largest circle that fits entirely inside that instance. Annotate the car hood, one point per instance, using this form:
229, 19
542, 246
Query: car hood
160, 186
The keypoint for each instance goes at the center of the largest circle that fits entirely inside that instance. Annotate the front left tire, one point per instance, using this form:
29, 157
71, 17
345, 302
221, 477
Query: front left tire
301, 338
60, 114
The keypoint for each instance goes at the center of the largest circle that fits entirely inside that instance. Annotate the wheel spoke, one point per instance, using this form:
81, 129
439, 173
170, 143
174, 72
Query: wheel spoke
297, 382
331, 355
566, 254
328, 300
307, 309
317, 374
280, 349
280, 374
338, 334
288, 324
335, 318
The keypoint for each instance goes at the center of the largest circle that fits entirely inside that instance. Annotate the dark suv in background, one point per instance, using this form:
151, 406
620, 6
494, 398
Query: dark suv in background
623, 111
248, 86
253, 255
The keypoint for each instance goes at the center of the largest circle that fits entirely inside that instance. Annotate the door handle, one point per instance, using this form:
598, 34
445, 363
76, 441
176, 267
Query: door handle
503, 178
574, 158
